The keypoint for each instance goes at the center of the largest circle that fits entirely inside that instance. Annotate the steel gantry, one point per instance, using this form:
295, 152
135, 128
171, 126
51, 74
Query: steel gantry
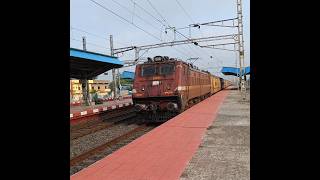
194, 41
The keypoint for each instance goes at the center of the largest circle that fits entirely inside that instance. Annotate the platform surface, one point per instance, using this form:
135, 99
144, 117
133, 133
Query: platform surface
225, 150
164, 152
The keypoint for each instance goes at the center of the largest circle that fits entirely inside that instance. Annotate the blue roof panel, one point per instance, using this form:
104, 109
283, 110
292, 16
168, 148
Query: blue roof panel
127, 75
87, 65
94, 56
234, 71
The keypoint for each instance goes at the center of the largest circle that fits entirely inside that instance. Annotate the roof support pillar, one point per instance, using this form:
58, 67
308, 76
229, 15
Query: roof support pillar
85, 92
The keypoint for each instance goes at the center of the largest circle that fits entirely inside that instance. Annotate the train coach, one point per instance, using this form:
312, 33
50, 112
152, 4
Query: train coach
164, 87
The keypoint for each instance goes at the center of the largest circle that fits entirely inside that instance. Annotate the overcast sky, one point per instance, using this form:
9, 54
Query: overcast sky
87, 16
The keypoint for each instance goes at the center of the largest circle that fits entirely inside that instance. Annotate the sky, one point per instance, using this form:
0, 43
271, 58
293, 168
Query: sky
97, 24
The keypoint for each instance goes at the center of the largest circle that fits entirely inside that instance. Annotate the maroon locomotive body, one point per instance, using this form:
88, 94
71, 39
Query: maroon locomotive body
164, 87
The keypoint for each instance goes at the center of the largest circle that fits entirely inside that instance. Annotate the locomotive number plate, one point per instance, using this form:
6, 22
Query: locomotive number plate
155, 83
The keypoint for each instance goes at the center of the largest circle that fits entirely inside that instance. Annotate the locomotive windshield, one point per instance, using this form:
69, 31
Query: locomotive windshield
163, 69
166, 69
148, 71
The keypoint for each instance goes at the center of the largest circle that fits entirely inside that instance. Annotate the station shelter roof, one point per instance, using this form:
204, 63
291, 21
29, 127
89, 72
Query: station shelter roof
235, 71
127, 75
86, 65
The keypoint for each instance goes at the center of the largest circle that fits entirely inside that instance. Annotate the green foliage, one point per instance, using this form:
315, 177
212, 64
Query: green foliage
109, 93
96, 99
126, 81
94, 96
111, 86
123, 82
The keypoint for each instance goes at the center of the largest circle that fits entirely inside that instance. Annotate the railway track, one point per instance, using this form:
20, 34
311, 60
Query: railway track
85, 159
100, 136
101, 123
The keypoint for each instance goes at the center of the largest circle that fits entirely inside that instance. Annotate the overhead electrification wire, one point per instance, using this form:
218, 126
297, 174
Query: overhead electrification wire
134, 8
100, 5
97, 36
126, 20
162, 23
168, 25
163, 19
135, 14
90, 43
81, 30
150, 14
185, 11
187, 14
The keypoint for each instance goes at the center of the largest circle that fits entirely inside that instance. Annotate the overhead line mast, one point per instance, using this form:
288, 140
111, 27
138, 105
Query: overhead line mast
241, 44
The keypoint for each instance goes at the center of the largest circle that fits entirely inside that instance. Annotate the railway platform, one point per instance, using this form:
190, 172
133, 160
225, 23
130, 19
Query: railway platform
165, 152
225, 150
82, 111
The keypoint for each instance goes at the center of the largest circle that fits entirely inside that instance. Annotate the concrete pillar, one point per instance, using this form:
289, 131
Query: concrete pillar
85, 91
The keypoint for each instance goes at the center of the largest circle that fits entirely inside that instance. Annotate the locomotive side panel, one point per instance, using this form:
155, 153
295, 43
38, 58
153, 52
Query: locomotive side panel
198, 85
221, 83
218, 83
205, 84
194, 88
211, 85
183, 84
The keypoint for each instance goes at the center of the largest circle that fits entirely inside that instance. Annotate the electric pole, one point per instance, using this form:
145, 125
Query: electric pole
84, 43
113, 70
240, 44
136, 54
84, 82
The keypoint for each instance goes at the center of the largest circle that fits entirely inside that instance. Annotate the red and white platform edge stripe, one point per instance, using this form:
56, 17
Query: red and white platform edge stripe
98, 110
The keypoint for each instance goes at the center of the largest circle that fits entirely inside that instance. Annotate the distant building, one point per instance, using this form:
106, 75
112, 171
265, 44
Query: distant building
101, 87
75, 90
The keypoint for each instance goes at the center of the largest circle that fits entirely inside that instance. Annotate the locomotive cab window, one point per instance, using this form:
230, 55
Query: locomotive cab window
148, 71
166, 69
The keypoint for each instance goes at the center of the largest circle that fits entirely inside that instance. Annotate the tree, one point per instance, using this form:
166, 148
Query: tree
111, 86
126, 81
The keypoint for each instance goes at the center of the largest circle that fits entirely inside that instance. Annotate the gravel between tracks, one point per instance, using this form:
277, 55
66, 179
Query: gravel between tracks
85, 143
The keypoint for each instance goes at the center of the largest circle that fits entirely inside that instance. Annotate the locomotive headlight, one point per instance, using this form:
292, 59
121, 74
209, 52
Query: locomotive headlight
134, 91
157, 58
142, 89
